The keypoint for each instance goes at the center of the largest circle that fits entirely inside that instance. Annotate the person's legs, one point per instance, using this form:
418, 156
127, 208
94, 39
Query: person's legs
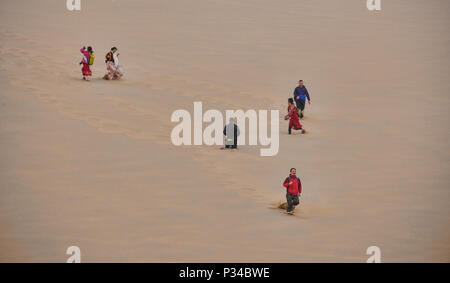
110, 70
89, 73
290, 130
301, 107
119, 72
234, 142
289, 200
295, 200
298, 104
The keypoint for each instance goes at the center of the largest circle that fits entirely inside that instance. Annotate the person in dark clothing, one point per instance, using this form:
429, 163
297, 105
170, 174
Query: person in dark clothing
231, 133
293, 190
300, 96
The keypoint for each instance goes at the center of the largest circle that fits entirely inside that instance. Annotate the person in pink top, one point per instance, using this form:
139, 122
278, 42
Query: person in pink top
86, 70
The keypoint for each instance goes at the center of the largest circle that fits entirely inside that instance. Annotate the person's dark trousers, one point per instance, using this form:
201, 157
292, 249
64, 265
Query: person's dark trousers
292, 201
301, 106
290, 130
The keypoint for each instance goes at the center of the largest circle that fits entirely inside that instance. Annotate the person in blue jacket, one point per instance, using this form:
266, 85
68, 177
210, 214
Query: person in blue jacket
300, 96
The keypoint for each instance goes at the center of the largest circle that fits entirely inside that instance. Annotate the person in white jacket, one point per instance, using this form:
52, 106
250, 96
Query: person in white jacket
113, 68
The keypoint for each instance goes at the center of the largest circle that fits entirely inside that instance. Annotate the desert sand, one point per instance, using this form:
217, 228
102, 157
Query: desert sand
91, 164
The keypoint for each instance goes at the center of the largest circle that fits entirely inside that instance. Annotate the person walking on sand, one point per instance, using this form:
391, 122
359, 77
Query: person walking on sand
114, 70
300, 96
292, 116
87, 61
231, 133
293, 190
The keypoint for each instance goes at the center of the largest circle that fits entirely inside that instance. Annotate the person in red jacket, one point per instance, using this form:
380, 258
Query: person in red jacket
293, 190
292, 116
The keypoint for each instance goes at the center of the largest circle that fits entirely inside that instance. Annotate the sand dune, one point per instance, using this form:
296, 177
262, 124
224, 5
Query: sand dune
92, 164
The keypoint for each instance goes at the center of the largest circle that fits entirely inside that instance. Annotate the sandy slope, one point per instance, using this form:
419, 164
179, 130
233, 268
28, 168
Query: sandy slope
92, 164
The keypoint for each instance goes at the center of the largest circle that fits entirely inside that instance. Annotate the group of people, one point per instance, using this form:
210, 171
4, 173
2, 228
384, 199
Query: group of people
292, 183
295, 110
231, 131
295, 113
114, 70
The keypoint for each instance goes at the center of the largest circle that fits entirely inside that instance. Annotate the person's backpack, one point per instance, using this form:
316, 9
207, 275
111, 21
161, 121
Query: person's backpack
91, 59
109, 57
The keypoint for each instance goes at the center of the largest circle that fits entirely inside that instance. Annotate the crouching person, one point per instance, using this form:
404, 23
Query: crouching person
293, 190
